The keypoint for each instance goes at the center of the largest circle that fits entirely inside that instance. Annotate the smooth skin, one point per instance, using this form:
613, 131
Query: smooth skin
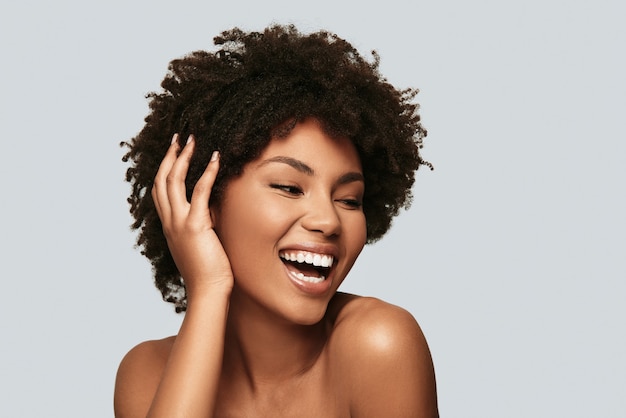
254, 342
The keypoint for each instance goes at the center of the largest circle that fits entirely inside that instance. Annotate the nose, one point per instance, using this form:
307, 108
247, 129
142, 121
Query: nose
322, 216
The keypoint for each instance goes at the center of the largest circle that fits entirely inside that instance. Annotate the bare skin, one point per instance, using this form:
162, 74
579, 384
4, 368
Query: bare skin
258, 339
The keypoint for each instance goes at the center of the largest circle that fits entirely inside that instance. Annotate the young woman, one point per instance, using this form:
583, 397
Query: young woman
292, 152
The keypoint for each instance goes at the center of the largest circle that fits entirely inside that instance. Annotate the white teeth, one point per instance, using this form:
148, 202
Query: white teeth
309, 279
317, 260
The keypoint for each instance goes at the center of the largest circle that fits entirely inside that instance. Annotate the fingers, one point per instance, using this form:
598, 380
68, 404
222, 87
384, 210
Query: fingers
202, 190
159, 189
175, 179
169, 191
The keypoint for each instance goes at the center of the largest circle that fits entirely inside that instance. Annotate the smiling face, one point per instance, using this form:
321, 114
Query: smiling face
292, 224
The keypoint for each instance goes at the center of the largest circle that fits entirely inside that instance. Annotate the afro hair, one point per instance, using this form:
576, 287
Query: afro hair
254, 87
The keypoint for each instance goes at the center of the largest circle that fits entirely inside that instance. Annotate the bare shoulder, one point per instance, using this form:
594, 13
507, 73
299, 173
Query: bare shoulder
138, 377
383, 357
370, 329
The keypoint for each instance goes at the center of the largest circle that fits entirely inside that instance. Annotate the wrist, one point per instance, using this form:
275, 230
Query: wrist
211, 292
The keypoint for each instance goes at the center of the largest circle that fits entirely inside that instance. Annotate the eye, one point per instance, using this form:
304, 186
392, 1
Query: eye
351, 203
291, 190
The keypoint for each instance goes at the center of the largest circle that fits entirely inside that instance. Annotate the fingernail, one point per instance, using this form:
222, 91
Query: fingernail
215, 155
190, 139
174, 138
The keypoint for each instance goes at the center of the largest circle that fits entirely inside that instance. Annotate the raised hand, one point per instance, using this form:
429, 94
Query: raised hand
188, 227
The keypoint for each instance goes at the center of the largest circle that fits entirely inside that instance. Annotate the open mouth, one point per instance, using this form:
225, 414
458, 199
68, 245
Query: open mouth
307, 266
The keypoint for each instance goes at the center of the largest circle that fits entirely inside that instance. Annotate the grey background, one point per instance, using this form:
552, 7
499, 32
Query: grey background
512, 257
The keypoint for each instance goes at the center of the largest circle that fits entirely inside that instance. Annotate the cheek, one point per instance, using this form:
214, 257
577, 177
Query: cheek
246, 228
357, 231
270, 218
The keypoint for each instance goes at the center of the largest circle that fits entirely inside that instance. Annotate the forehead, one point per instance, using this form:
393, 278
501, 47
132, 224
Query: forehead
309, 143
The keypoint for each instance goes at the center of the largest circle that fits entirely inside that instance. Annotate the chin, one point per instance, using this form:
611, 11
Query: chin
308, 315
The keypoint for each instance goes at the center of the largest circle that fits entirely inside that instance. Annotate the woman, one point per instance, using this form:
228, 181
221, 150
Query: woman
291, 153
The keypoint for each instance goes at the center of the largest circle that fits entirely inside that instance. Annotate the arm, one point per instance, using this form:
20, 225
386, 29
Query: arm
190, 371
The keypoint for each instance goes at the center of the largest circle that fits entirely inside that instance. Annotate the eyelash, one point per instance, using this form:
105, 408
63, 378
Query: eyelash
296, 191
351, 203
292, 190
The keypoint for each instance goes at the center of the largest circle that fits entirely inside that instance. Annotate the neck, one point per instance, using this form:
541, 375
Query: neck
264, 348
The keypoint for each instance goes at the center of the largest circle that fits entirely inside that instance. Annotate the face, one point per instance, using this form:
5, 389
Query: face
292, 224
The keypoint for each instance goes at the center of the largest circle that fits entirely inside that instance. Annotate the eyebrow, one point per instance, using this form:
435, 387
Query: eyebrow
297, 164
304, 168
350, 177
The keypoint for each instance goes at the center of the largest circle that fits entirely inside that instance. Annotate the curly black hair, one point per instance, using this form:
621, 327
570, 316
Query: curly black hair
255, 87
